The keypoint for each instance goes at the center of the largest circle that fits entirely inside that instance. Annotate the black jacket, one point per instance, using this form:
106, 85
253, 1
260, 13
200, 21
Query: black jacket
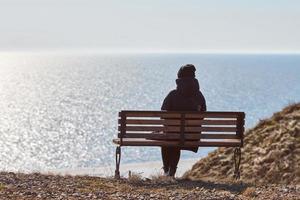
186, 97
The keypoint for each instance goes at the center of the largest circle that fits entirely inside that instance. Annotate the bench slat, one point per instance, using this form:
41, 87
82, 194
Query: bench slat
153, 122
178, 122
189, 136
210, 122
212, 115
210, 129
146, 114
174, 114
153, 128
177, 129
145, 142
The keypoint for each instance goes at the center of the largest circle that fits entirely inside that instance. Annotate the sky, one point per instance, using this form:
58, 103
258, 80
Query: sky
150, 25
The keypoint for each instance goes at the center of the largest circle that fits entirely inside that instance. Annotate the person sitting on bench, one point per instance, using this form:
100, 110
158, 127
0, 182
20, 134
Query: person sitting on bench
186, 97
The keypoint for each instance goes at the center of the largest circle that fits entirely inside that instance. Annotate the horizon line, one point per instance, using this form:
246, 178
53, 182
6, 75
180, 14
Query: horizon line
146, 51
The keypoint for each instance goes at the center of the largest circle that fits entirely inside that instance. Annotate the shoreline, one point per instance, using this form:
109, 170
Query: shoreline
144, 169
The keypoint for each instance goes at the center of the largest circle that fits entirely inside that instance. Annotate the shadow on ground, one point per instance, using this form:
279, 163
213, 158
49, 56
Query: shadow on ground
233, 187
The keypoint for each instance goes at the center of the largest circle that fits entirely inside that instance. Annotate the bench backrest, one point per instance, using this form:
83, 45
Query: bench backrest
182, 126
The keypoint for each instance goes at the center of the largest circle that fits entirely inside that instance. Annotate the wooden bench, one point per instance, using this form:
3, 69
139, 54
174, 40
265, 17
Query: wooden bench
181, 129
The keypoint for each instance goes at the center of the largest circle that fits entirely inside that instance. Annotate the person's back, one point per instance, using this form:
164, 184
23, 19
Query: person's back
186, 97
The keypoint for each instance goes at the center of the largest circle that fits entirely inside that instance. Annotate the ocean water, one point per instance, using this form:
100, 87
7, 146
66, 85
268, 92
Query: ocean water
60, 111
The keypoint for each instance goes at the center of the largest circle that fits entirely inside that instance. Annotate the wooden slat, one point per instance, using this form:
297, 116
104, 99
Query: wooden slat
181, 112
153, 128
177, 129
175, 136
218, 136
210, 129
147, 135
176, 114
210, 122
177, 122
165, 115
152, 121
212, 115
145, 142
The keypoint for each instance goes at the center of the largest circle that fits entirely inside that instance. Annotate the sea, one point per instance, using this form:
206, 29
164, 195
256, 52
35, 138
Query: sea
60, 111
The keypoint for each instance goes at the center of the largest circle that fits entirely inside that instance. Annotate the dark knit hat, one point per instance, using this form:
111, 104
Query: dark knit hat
187, 70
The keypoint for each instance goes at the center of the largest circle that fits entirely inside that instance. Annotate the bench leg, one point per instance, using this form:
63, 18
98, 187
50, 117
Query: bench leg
237, 160
118, 160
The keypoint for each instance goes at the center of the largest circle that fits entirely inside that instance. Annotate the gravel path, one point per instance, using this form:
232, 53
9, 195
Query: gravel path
39, 186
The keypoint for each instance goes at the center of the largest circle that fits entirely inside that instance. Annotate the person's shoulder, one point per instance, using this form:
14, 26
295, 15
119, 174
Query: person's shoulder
172, 93
168, 101
200, 95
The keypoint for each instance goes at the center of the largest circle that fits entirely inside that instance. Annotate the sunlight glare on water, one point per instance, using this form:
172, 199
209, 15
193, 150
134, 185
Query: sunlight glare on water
60, 111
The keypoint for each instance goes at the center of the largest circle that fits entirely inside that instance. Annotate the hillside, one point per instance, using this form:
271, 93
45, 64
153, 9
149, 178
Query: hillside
271, 153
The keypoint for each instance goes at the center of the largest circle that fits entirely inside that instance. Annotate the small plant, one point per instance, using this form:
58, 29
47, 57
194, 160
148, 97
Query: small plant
2, 186
134, 177
158, 178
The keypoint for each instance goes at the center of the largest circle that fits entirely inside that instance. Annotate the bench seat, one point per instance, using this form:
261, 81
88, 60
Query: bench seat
201, 143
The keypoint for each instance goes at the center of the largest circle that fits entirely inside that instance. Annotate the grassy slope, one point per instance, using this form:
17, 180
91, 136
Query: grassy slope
271, 152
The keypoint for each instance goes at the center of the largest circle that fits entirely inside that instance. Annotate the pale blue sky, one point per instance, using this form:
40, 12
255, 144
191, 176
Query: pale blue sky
150, 25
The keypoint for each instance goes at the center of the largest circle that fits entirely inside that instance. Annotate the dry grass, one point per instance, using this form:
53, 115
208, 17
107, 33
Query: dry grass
158, 178
2, 186
41, 186
134, 177
249, 192
270, 153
